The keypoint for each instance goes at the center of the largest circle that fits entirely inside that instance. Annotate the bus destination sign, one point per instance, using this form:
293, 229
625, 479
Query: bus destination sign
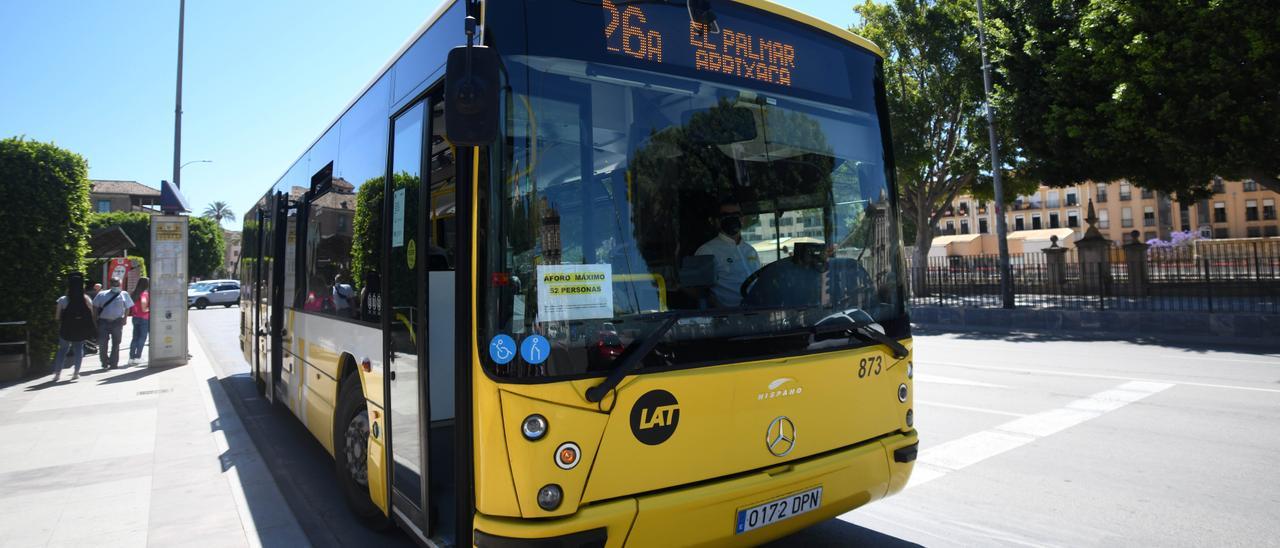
740, 52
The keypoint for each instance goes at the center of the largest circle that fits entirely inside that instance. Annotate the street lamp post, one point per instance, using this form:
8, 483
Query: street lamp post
177, 110
195, 162
1002, 231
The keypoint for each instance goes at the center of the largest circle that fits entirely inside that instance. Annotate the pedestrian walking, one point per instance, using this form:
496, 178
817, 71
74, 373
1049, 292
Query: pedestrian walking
91, 290
141, 313
76, 324
112, 307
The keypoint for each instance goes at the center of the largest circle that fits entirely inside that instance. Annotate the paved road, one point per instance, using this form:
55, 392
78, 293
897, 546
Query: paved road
302, 468
1025, 441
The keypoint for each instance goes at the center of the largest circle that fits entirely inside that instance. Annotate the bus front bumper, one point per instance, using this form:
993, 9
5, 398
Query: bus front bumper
706, 514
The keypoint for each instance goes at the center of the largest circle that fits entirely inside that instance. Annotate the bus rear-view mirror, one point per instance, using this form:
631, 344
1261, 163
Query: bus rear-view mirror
471, 96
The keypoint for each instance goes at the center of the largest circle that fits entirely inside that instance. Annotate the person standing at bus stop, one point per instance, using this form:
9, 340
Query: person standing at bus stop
141, 313
76, 324
112, 307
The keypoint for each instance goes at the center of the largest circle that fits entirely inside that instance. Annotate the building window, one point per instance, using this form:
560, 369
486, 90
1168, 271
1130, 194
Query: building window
1269, 209
104, 206
1254, 231
1202, 212
1072, 198
1148, 236
1148, 216
1035, 222
1102, 193
1104, 219
1053, 198
1220, 234
1250, 185
951, 228
1053, 220
1126, 218
1219, 212
982, 226
964, 226
1147, 194
1125, 192
964, 208
1251, 210
1184, 213
1018, 224
1271, 230
1218, 187
1073, 219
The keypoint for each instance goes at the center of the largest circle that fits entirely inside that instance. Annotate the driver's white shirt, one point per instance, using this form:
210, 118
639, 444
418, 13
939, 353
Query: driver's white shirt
734, 262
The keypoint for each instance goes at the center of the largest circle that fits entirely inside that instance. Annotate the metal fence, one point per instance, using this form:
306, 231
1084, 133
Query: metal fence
1222, 277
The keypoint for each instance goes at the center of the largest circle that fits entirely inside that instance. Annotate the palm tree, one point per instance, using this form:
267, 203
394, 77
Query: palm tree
219, 211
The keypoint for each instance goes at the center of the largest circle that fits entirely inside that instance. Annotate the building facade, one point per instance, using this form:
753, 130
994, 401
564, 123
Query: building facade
109, 195
1237, 209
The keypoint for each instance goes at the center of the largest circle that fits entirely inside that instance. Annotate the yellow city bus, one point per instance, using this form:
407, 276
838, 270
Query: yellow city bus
655, 299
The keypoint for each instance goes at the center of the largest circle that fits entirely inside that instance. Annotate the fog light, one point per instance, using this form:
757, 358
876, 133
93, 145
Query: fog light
534, 427
910, 370
902, 393
567, 455
911, 419
549, 497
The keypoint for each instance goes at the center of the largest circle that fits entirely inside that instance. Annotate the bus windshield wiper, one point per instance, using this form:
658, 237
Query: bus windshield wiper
637, 350
634, 352
859, 329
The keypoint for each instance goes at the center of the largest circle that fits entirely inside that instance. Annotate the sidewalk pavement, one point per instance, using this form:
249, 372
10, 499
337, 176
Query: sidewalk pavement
136, 456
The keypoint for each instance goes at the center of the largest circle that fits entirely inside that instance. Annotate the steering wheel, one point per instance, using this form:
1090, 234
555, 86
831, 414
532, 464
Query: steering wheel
751, 280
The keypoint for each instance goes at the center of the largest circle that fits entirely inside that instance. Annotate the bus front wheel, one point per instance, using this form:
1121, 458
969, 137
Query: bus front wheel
350, 453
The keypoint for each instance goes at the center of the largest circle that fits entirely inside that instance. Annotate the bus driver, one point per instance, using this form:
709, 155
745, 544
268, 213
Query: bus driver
734, 258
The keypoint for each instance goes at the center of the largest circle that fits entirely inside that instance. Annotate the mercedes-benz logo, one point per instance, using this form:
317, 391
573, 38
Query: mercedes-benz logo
780, 437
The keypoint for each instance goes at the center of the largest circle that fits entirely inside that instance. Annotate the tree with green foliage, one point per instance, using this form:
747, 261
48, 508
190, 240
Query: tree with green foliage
219, 211
205, 247
933, 80
135, 224
1165, 94
46, 206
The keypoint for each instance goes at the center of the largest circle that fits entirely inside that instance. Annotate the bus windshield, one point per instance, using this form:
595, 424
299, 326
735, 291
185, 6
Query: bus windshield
624, 196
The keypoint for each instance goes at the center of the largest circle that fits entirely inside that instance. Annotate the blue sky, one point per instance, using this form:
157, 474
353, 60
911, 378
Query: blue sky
261, 81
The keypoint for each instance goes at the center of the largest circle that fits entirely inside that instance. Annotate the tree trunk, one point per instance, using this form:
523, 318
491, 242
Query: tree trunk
920, 258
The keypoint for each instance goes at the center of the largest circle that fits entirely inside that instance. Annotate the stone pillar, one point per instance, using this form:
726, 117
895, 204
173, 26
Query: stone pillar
1056, 260
1135, 257
1094, 253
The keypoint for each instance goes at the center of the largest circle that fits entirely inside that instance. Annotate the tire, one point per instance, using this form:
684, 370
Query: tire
228, 305
202, 303
351, 441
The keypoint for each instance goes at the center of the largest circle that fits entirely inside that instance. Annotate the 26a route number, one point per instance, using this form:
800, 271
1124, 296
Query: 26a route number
870, 366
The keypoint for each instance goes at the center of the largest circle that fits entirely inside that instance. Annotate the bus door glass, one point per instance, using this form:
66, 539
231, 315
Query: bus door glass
404, 294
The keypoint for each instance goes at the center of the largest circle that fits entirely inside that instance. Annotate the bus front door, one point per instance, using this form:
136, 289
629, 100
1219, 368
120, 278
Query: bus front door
403, 313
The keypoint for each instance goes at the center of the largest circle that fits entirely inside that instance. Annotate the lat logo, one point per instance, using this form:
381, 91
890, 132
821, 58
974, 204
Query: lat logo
654, 417
779, 389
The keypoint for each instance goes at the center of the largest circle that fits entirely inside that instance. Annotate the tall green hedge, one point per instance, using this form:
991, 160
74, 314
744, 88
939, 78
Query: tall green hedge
45, 212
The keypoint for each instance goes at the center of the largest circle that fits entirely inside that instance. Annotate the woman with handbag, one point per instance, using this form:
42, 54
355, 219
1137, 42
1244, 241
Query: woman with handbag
77, 322
141, 313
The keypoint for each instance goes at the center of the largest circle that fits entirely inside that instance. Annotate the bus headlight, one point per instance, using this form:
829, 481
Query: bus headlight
534, 427
902, 392
549, 497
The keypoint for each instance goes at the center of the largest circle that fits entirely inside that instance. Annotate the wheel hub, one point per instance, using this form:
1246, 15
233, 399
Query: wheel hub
357, 441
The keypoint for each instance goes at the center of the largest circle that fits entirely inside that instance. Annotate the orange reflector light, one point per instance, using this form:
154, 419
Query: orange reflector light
567, 455
366, 365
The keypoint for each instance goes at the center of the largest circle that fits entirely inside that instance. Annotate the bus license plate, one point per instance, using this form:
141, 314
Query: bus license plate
777, 510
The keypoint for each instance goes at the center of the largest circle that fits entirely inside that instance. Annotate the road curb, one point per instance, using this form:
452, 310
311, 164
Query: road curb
221, 411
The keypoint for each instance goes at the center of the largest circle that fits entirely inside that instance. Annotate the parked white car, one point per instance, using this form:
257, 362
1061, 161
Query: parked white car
223, 292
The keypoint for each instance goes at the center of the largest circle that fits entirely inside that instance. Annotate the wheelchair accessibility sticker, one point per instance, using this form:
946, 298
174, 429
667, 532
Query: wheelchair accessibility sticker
502, 349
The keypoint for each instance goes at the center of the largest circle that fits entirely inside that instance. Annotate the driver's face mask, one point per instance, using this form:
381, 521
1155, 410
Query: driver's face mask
731, 223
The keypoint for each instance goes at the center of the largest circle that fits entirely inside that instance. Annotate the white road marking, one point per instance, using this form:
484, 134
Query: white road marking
967, 408
939, 461
1099, 376
925, 377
